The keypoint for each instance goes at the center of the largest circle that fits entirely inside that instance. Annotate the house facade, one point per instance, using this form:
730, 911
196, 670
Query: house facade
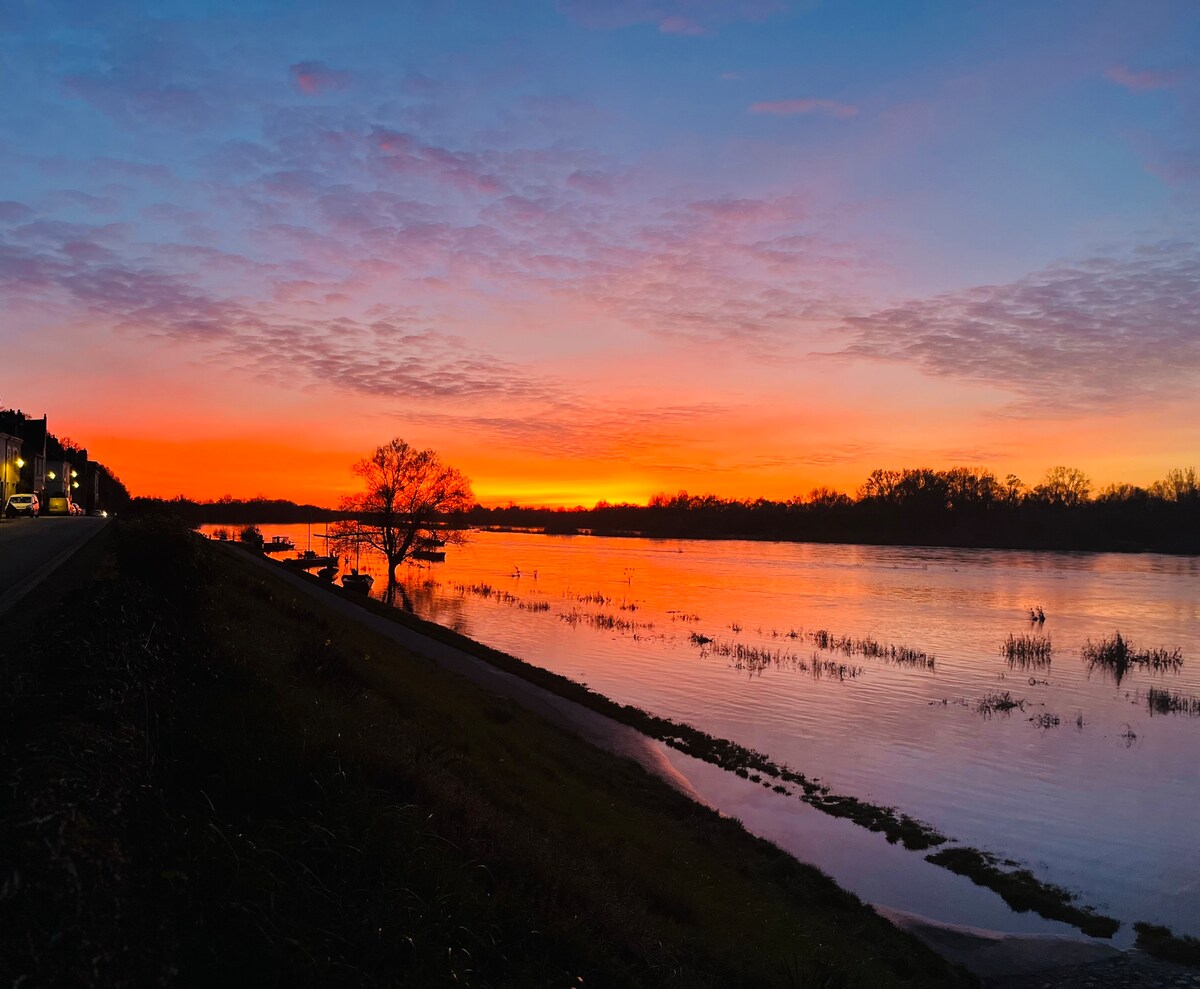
31, 475
10, 466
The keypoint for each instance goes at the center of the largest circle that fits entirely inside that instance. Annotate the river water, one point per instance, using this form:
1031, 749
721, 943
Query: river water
1081, 782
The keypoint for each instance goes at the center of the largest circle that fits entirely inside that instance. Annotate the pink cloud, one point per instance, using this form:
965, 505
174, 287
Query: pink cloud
792, 108
316, 77
1141, 82
689, 17
680, 25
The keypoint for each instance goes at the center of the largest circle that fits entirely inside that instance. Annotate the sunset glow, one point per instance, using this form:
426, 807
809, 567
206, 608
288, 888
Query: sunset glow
599, 250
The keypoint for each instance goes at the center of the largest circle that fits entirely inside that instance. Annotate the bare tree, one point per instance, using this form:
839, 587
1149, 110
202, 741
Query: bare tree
1064, 486
407, 495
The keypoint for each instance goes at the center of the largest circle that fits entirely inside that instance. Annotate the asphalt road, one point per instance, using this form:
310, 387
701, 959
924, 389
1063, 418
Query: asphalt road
32, 549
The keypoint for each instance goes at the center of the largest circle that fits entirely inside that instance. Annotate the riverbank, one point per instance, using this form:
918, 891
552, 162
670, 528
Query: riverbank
211, 778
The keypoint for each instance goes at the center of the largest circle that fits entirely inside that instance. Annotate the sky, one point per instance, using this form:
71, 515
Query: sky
599, 249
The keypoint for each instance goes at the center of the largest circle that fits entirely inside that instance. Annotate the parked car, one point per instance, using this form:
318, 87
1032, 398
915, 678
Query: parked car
58, 505
23, 504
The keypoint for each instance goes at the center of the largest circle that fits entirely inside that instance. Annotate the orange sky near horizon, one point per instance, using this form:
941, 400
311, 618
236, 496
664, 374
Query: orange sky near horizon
314, 467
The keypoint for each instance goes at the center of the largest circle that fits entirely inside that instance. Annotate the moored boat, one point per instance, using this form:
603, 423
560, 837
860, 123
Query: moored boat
308, 560
355, 581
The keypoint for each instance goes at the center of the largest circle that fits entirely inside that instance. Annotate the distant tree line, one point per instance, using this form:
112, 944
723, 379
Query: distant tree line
963, 506
236, 511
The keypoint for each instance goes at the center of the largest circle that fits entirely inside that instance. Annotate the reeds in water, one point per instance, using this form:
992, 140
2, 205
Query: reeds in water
1168, 702
871, 649
999, 702
1117, 655
1025, 651
604, 622
754, 659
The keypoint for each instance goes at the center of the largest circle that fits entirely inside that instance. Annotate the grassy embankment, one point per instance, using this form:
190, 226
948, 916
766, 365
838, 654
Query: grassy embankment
209, 778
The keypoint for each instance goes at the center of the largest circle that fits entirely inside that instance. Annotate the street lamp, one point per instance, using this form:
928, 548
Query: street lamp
20, 463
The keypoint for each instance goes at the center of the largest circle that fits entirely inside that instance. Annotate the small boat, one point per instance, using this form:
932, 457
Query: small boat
355, 581
430, 555
309, 559
278, 544
328, 573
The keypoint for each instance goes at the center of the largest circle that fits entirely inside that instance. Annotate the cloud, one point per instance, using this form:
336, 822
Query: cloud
14, 212
581, 430
687, 17
792, 108
1095, 335
64, 265
314, 78
1122, 75
677, 24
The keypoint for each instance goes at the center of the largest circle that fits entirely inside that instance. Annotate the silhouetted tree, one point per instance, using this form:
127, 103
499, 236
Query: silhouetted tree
407, 493
1064, 486
1179, 485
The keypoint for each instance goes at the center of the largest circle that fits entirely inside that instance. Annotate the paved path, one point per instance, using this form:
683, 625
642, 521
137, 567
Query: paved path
32, 549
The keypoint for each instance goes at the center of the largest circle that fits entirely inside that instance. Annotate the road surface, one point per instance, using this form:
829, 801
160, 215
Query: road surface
32, 549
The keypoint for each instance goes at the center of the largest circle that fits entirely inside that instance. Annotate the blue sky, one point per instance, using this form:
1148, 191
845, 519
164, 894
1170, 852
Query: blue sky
620, 247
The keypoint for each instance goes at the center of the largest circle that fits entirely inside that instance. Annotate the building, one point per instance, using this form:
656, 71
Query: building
31, 475
10, 466
62, 481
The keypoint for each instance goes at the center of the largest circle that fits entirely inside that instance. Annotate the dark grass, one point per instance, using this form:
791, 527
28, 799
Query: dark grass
208, 778
1023, 891
1160, 942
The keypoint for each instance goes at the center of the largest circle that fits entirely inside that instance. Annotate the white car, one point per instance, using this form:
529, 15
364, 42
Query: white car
23, 504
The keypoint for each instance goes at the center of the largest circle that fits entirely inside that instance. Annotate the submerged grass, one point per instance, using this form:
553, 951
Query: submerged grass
1022, 890
1117, 655
999, 702
1027, 651
754, 659
213, 778
1159, 701
827, 641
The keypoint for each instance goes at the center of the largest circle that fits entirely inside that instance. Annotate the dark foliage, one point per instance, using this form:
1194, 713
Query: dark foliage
958, 507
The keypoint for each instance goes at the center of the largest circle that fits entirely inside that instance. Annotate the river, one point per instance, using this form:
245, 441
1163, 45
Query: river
786, 648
